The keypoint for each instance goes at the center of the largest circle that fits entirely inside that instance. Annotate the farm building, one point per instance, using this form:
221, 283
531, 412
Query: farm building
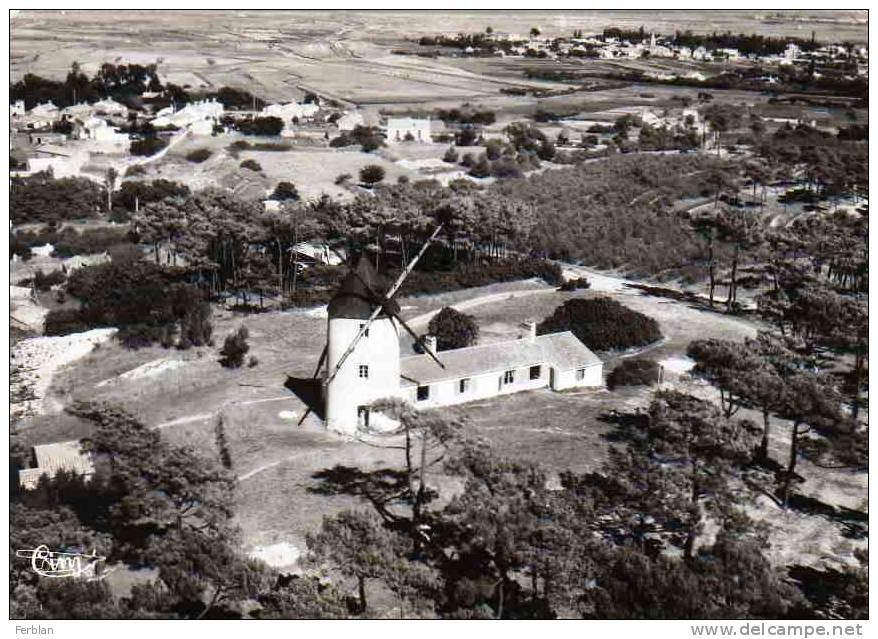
110, 107
50, 459
208, 110
350, 120
62, 161
403, 129
45, 110
98, 130
374, 369
287, 112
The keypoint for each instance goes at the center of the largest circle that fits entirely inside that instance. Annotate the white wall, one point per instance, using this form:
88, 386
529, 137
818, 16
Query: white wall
379, 351
420, 131
567, 379
446, 392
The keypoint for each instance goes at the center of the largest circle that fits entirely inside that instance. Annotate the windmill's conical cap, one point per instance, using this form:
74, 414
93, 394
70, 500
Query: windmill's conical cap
353, 300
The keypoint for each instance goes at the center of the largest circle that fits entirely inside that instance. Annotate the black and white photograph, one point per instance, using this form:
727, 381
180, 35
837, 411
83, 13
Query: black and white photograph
463, 313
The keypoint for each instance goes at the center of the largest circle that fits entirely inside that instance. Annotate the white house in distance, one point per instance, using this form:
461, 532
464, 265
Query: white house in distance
402, 129
350, 121
98, 130
45, 110
109, 106
290, 110
205, 113
62, 161
374, 370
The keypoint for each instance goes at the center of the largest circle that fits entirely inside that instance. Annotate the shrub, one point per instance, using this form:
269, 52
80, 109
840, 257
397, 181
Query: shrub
41, 198
70, 242
371, 174
634, 371
343, 178
134, 170
575, 284
44, 282
260, 126
199, 155
141, 299
64, 321
139, 192
234, 348
453, 329
481, 169
451, 155
285, 191
602, 324
342, 140
252, 165
148, 146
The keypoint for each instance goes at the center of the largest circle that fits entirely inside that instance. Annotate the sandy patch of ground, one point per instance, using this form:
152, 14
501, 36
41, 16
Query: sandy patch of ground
278, 555
24, 311
145, 371
36, 361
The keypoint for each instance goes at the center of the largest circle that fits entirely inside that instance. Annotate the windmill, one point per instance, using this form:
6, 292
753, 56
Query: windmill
356, 310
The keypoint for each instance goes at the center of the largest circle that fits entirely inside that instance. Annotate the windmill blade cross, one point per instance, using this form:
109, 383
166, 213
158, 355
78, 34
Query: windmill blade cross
411, 266
390, 293
321, 360
418, 339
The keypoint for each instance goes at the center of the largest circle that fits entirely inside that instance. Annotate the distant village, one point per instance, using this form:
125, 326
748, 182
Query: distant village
63, 140
615, 44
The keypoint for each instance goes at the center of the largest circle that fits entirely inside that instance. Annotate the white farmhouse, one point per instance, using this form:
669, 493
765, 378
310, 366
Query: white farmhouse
46, 110
16, 109
402, 129
350, 121
62, 161
287, 112
110, 107
374, 369
98, 130
205, 110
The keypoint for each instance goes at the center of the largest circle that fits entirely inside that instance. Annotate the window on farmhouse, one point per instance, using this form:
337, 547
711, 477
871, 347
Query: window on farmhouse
536, 372
423, 393
364, 371
580, 374
464, 385
509, 377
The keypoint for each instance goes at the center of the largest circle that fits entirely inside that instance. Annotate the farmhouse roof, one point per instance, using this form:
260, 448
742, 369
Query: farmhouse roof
562, 350
52, 458
353, 299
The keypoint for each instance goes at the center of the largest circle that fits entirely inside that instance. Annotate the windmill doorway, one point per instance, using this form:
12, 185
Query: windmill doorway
363, 416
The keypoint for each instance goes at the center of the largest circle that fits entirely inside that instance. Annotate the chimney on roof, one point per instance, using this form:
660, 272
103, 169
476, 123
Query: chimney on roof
531, 330
431, 343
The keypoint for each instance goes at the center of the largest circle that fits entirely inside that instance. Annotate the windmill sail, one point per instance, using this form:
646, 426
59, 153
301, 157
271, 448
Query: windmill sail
386, 305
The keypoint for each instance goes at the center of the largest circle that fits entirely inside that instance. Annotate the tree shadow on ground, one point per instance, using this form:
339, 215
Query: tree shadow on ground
822, 589
310, 391
629, 426
380, 487
855, 523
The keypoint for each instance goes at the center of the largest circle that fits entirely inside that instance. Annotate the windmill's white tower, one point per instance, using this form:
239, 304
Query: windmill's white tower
371, 371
